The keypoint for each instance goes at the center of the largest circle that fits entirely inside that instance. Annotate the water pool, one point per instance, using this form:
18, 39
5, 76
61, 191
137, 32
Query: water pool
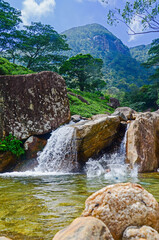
36, 207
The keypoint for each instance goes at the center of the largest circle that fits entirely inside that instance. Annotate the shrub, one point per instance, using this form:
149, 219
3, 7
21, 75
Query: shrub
11, 144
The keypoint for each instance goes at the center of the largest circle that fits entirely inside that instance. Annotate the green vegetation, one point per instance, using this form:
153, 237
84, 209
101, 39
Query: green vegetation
141, 99
7, 68
83, 71
144, 11
140, 53
119, 68
153, 60
11, 144
37, 47
96, 105
9, 21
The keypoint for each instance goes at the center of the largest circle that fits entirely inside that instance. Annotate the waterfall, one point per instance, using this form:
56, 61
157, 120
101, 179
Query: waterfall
59, 154
111, 165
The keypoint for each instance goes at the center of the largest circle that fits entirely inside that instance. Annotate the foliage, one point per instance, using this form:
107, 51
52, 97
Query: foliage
38, 46
153, 60
119, 68
85, 71
11, 144
141, 99
96, 105
7, 68
9, 20
144, 11
140, 53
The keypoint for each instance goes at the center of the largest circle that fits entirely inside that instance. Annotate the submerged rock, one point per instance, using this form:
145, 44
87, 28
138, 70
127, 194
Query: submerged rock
143, 142
32, 104
94, 135
89, 228
5, 238
144, 232
122, 205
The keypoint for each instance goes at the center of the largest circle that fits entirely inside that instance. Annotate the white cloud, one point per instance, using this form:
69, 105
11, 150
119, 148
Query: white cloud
33, 10
104, 3
136, 26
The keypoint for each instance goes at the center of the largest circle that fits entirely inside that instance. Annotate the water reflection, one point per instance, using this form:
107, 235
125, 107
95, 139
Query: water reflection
37, 207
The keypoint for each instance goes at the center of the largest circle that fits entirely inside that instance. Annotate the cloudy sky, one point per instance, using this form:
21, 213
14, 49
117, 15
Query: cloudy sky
65, 14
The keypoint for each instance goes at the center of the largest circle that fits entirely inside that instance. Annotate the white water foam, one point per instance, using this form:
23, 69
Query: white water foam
112, 166
59, 155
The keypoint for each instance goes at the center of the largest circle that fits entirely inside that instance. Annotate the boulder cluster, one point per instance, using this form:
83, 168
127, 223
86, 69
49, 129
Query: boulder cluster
124, 211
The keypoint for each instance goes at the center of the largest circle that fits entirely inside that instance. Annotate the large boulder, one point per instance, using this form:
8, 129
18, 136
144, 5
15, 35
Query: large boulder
88, 228
32, 104
94, 135
143, 142
113, 102
144, 232
122, 205
128, 112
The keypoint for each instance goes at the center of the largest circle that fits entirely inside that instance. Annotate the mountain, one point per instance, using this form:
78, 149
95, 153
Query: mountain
120, 69
140, 53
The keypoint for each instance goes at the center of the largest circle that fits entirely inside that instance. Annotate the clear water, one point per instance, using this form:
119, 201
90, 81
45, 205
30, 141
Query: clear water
37, 207
36, 204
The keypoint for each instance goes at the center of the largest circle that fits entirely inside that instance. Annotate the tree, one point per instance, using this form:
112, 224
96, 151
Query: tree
39, 47
144, 11
153, 60
147, 13
83, 71
9, 21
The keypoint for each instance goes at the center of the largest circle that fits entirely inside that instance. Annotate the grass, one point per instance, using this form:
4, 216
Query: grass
97, 105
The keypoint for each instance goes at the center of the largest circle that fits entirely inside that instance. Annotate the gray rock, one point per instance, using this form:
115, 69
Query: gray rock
32, 104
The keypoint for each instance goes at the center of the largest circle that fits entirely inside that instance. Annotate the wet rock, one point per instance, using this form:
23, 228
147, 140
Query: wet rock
76, 118
94, 117
144, 232
32, 104
128, 112
143, 142
33, 145
122, 205
94, 135
88, 228
121, 116
5, 238
7, 159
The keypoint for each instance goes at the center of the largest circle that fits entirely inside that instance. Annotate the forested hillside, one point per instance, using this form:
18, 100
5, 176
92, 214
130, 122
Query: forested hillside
120, 69
140, 53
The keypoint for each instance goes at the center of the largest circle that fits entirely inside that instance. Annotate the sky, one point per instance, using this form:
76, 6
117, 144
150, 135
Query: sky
65, 14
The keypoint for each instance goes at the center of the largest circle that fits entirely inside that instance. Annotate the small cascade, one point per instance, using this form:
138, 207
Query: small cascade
112, 165
59, 155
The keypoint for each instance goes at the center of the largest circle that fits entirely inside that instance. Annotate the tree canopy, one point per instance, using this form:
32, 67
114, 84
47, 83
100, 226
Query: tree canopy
9, 21
84, 72
144, 11
39, 47
153, 60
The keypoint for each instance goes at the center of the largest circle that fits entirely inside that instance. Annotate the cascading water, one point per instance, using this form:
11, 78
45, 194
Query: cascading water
111, 165
59, 155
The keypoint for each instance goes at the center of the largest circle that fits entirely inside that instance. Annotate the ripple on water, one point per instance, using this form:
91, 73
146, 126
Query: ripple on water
37, 206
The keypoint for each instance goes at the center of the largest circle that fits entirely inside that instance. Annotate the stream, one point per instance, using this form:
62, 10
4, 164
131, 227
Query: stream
36, 204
